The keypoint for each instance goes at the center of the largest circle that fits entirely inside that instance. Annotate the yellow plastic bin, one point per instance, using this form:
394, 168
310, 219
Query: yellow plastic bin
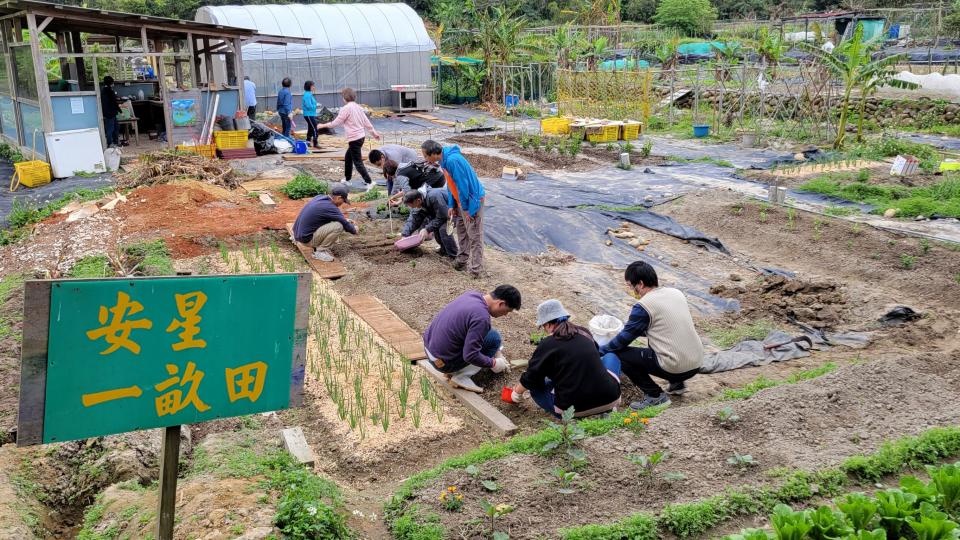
230, 140
555, 126
602, 134
630, 131
32, 173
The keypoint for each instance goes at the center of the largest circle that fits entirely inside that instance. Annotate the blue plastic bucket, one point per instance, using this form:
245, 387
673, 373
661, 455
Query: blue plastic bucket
701, 130
300, 147
511, 101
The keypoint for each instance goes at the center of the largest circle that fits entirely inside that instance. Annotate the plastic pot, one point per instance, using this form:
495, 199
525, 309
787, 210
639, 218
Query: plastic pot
701, 130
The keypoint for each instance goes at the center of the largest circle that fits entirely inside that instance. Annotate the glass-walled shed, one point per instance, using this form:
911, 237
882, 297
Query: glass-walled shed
53, 59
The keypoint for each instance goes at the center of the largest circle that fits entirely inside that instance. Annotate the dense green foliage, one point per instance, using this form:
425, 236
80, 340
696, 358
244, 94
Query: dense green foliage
941, 198
690, 17
761, 382
305, 185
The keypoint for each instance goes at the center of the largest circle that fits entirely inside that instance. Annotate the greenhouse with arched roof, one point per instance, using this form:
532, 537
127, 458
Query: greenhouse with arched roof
368, 47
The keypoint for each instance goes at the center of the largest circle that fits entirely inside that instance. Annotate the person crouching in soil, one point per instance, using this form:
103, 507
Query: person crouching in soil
674, 351
430, 219
459, 341
566, 369
320, 222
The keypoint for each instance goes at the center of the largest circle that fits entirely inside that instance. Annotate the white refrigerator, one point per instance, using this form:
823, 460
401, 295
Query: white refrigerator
75, 151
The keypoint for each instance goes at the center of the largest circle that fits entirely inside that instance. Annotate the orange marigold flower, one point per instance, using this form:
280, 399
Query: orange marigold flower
627, 420
645, 420
459, 497
451, 489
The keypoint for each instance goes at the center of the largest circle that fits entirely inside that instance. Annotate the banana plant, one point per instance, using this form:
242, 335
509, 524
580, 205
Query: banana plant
851, 62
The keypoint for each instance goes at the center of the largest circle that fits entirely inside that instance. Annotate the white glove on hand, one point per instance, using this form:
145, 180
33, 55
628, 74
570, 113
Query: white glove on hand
517, 397
500, 364
423, 234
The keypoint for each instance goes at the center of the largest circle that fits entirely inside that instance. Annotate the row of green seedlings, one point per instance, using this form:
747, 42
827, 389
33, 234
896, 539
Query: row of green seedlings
565, 146
259, 258
917, 509
348, 357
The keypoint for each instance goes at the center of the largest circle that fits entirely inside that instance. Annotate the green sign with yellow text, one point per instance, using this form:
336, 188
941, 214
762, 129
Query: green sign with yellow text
130, 354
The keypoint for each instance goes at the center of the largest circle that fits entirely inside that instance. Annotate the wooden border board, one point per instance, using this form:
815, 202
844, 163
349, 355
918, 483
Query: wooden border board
487, 412
337, 156
265, 184
432, 118
386, 323
327, 270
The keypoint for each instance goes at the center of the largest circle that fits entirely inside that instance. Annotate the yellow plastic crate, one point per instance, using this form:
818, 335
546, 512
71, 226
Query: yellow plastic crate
602, 134
230, 140
630, 131
555, 126
32, 173
208, 151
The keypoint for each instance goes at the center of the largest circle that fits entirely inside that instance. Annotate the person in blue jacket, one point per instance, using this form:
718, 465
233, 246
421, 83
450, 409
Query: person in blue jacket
309, 107
285, 106
465, 202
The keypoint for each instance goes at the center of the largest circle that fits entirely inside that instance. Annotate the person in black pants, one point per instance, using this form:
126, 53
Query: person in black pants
674, 351
110, 105
355, 123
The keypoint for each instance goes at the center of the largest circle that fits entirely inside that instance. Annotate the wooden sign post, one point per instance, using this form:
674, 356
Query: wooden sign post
106, 356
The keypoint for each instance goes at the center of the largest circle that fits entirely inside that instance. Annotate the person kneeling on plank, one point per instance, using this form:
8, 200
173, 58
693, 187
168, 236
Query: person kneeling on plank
321, 222
431, 218
675, 352
566, 369
459, 341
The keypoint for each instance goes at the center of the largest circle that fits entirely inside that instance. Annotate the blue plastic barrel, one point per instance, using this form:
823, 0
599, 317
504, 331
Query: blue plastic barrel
300, 147
701, 130
511, 100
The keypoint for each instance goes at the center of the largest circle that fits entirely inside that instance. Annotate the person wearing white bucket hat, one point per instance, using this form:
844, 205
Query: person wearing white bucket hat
566, 369
674, 351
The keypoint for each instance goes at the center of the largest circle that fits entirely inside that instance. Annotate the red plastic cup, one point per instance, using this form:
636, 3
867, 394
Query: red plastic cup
507, 394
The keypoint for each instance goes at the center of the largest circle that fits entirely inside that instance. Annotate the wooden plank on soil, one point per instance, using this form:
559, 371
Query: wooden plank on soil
267, 200
296, 444
386, 323
487, 412
327, 270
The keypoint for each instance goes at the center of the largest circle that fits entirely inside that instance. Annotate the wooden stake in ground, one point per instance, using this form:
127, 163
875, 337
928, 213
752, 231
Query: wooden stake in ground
169, 465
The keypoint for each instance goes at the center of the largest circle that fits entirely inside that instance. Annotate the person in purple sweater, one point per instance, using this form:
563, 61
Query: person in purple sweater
459, 341
320, 222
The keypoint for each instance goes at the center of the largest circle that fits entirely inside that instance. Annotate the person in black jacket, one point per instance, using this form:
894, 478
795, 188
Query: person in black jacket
430, 219
110, 106
566, 369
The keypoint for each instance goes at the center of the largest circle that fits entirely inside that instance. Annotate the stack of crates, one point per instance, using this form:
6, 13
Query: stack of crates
555, 126
208, 151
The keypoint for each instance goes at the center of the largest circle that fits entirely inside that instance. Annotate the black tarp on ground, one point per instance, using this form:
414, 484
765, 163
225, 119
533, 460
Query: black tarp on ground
39, 196
939, 141
573, 216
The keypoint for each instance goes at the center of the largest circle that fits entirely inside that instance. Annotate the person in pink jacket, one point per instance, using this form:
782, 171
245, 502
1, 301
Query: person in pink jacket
356, 124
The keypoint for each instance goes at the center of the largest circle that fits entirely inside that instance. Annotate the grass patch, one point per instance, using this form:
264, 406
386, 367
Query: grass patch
92, 266
941, 198
704, 159
952, 130
730, 336
150, 258
888, 147
909, 452
305, 185
761, 382
307, 506
9, 285
372, 195
635, 527
841, 211
23, 214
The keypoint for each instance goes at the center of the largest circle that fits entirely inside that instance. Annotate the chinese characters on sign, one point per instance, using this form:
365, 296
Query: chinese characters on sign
128, 354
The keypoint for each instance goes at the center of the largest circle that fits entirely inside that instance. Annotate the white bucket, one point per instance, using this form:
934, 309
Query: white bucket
112, 158
604, 328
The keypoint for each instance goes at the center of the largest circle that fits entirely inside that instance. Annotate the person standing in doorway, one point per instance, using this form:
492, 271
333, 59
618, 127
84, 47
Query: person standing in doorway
250, 97
355, 122
309, 107
285, 106
465, 202
110, 104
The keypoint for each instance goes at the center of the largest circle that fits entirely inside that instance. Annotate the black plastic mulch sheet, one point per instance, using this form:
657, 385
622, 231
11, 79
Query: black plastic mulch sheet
530, 216
41, 195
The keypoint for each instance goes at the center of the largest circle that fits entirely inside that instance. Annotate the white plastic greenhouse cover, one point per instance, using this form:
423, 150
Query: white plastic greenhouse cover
335, 29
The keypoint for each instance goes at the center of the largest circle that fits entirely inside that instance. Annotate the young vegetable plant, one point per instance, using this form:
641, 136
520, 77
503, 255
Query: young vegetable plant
790, 525
727, 418
490, 485
648, 464
947, 481
570, 434
494, 513
742, 461
565, 480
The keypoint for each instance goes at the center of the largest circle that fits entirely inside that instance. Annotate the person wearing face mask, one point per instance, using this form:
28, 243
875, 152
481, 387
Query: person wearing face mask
674, 351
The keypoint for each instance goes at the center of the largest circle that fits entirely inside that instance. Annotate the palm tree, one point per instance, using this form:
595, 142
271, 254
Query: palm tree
770, 48
594, 51
562, 44
851, 62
